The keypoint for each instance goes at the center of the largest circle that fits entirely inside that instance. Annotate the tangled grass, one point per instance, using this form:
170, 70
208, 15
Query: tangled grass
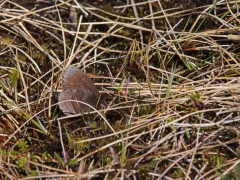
168, 74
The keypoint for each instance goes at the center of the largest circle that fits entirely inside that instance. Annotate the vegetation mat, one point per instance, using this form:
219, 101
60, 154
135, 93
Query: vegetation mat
168, 77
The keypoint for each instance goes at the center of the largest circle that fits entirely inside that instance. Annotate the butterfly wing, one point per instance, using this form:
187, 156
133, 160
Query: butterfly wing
87, 97
64, 104
77, 96
74, 77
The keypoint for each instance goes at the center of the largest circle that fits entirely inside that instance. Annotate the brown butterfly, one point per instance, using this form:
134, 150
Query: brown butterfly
78, 87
